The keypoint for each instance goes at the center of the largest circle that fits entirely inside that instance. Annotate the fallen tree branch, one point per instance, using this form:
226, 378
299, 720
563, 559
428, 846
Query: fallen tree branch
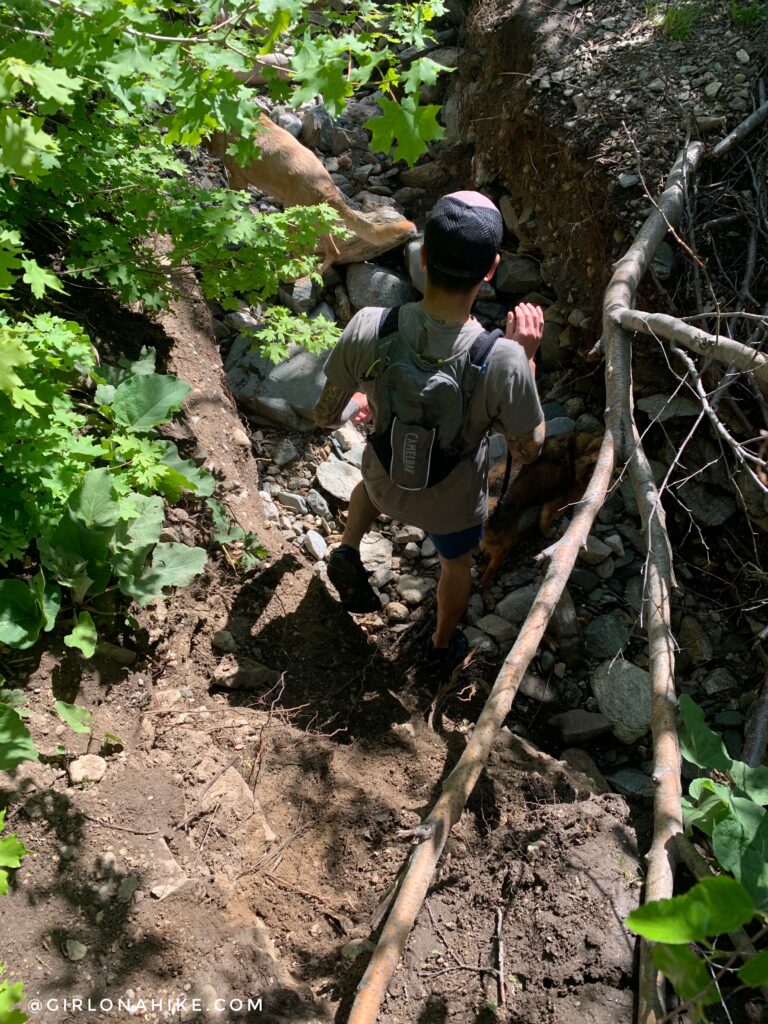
719, 347
434, 830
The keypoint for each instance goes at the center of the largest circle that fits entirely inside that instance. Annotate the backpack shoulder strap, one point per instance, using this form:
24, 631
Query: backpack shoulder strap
388, 322
482, 347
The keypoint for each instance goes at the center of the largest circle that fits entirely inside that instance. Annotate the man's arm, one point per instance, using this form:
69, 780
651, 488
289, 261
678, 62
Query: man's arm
528, 447
336, 405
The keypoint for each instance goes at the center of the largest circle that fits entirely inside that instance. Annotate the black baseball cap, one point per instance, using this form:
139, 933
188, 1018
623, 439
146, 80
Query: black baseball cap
463, 234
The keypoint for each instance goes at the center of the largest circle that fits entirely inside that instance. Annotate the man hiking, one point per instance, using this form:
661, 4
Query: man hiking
436, 384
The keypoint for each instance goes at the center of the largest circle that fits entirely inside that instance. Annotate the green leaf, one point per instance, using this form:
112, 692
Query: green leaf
10, 995
410, 125
83, 636
48, 596
12, 851
423, 71
698, 744
133, 540
755, 971
76, 555
186, 475
49, 83
713, 906
714, 803
687, 972
39, 279
78, 719
14, 699
740, 843
20, 616
173, 565
752, 781
141, 403
25, 150
15, 740
94, 502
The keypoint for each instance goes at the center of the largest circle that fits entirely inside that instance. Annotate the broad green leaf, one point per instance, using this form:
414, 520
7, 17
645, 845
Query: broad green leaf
16, 743
187, 475
48, 596
713, 906
423, 71
25, 150
12, 851
714, 803
755, 971
145, 364
740, 843
49, 83
16, 700
76, 555
13, 354
752, 781
10, 996
141, 403
94, 502
410, 125
20, 616
698, 744
83, 636
687, 972
78, 719
131, 541
173, 565
40, 279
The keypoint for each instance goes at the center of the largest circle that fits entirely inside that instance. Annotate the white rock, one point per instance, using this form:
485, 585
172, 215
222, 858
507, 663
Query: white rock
376, 553
711, 89
397, 612
315, 545
348, 436
623, 694
742, 57
338, 478
413, 589
614, 542
428, 548
411, 551
88, 768
409, 534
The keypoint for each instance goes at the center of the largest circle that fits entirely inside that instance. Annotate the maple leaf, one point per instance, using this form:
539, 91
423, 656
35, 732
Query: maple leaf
422, 72
410, 125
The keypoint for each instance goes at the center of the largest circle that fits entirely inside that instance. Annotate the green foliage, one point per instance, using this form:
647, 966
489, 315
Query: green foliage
78, 719
94, 98
16, 743
281, 329
730, 810
677, 20
242, 549
82, 478
10, 996
12, 852
750, 15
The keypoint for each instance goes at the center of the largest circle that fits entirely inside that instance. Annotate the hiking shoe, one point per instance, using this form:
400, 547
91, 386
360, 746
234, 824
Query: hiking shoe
443, 660
350, 578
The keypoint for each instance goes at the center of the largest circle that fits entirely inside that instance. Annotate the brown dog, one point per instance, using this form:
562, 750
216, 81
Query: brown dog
291, 172
557, 479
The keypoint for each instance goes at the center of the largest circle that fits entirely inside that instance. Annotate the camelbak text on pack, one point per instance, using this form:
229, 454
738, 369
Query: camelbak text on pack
422, 405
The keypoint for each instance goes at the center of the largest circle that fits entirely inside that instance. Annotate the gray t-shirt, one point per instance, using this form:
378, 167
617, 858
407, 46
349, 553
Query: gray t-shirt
504, 399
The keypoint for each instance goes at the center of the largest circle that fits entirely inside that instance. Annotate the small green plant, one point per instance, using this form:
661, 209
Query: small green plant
729, 807
281, 329
11, 995
12, 850
243, 550
748, 16
676, 20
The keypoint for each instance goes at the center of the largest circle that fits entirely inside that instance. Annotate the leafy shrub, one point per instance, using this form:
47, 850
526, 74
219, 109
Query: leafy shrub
83, 479
748, 16
677, 20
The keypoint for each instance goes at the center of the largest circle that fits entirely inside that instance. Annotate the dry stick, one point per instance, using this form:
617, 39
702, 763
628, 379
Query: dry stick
434, 830
697, 865
719, 347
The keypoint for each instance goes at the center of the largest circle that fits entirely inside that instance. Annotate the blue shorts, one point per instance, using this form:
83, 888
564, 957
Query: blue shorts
454, 545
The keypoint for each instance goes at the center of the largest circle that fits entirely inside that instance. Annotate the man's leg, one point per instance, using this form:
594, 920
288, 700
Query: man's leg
362, 513
453, 590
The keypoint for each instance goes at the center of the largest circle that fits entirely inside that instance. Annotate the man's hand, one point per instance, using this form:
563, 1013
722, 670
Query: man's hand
363, 413
526, 326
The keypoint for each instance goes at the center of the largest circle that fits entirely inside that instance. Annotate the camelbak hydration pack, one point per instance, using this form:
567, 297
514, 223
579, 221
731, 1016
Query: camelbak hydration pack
421, 405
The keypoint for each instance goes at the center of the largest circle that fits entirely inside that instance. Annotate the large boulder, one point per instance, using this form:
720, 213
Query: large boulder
623, 693
371, 285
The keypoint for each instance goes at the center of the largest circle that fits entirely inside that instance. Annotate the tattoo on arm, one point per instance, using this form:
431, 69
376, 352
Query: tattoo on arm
528, 447
331, 404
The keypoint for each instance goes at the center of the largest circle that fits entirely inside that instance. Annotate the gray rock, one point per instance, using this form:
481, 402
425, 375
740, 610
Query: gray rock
317, 504
397, 612
314, 544
479, 641
338, 478
539, 689
355, 456
242, 321
594, 551
269, 508
605, 637
516, 605
317, 128
475, 609
286, 394
323, 311
631, 782
623, 694
560, 426
693, 640
517, 274
284, 453
578, 726
587, 424
709, 505
73, 950
425, 175
127, 888
223, 640
293, 501
220, 330
615, 543
409, 535
428, 549
719, 680
166, 876
291, 123
299, 297
413, 589
633, 593
664, 407
376, 552
498, 629
628, 180
371, 285
88, 768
